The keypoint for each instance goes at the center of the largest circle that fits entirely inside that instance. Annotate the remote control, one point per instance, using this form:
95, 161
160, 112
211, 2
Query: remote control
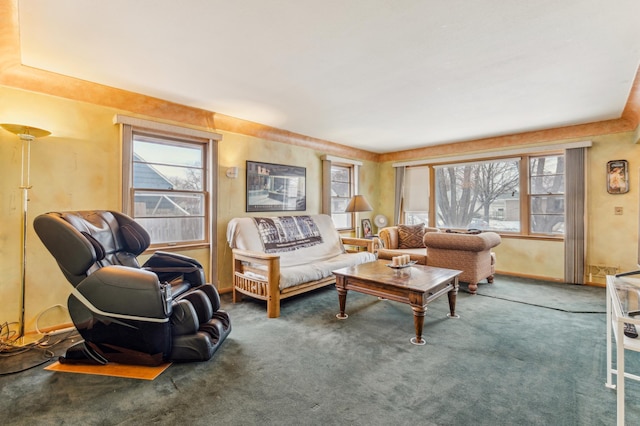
630, 330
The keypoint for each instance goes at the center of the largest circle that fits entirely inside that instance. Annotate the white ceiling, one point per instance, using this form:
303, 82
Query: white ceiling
379, 75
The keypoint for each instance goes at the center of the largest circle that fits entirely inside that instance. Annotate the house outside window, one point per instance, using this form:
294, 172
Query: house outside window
169, 188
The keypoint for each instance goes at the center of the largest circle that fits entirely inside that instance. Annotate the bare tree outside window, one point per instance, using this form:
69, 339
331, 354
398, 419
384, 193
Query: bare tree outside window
479, 195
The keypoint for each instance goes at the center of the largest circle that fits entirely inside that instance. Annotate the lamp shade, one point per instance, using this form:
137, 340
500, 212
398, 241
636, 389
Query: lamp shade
25, 132
358, 204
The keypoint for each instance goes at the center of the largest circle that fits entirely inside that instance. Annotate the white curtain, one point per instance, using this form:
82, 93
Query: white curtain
416, 189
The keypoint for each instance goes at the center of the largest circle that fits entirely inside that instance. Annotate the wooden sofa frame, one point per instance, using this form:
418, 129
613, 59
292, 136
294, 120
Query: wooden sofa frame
246, 282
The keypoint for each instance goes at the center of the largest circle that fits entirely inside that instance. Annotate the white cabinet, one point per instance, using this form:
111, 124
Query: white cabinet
623, 297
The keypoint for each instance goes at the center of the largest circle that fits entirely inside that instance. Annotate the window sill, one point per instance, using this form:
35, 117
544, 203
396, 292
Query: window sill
559, 238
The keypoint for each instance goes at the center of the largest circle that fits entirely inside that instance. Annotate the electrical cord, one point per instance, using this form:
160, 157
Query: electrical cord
8, 337
10, 347
45, 346
536, 305
39, 316
8, 334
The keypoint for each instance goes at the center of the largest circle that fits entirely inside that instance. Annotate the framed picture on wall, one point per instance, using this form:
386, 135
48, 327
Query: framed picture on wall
617, 177
275, 187
367, 229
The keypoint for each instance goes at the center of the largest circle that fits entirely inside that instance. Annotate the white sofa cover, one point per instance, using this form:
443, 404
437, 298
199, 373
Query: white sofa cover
295, 268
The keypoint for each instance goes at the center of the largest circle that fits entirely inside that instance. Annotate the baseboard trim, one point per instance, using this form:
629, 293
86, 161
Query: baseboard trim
529, 276
541, 278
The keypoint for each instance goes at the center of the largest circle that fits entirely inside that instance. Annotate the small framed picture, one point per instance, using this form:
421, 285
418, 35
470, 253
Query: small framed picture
617, 177
367, 230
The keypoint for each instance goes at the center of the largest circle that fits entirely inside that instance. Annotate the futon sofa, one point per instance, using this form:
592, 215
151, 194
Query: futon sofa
282, 256
468, 252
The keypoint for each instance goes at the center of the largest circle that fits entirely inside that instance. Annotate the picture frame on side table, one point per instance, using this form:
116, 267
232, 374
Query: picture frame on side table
367, 229
617, 177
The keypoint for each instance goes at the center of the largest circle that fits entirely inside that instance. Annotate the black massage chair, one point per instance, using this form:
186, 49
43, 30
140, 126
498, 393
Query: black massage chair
160, 312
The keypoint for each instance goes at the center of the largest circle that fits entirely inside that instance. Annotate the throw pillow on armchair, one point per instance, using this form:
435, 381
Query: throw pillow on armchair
410, 236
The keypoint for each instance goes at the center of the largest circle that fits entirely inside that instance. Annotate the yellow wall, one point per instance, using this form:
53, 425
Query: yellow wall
79, 167
235, 150
531, 258
612, 240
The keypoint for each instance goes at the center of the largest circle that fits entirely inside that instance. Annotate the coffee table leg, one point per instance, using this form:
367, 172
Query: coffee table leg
418, 321
342, 297
453, 293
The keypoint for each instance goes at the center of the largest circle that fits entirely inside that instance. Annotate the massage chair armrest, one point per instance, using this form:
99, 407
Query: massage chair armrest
175, 268
126, 291
465, 242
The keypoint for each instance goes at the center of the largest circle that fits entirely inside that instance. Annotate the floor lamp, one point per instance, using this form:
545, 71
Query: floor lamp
27, 135
358, 204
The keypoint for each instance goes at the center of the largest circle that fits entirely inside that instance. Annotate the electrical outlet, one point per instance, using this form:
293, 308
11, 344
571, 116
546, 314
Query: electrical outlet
617, 210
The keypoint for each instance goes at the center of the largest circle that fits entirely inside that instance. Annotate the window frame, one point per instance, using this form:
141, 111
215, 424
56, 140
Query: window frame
492, 162
352, 185
525, 200
173, 135
328, 161
531, 195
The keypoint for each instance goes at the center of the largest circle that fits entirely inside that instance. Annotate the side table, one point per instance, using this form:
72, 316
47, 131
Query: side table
623, 298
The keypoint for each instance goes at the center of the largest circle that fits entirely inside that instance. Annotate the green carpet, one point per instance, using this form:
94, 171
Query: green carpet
523, 352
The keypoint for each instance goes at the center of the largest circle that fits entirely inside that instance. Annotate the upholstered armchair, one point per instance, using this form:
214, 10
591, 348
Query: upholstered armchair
470, 253
404, 239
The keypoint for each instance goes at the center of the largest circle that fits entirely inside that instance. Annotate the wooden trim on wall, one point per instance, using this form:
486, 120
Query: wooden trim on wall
180, 131
631, 112
521, 139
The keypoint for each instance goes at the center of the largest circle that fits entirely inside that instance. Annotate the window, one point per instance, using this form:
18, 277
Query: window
168, 191
486, 195
546, 194
341, 193
166, 184
482, 195
339, 184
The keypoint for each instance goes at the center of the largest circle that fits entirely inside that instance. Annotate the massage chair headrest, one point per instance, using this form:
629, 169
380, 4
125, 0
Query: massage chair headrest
80, 239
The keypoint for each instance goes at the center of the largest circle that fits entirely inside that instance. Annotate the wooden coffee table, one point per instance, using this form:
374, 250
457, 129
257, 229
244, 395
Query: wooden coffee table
416, 285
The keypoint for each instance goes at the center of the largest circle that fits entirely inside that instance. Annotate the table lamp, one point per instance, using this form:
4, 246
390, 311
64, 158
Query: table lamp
358, 204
